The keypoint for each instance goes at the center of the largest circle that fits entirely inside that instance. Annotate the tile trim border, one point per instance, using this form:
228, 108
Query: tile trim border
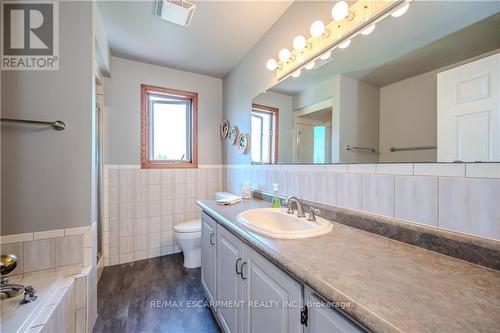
458, 170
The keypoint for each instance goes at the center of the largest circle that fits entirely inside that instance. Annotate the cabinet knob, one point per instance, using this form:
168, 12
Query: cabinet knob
211, 238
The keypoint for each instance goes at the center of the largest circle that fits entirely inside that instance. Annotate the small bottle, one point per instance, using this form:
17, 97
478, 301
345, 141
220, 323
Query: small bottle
276, 203
246, 190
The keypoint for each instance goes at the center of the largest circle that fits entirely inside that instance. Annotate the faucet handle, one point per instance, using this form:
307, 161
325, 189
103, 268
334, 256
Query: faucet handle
288, 202
313, 211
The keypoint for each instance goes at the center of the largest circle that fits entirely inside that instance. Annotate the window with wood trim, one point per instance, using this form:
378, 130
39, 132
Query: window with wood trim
169, 128
265, 133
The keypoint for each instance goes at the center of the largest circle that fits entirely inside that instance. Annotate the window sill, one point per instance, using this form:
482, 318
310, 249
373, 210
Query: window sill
163, 165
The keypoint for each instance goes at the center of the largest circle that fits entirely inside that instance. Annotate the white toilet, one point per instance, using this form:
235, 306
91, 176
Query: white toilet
188, 236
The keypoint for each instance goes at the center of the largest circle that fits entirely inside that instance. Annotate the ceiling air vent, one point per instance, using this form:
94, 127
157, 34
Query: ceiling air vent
176, 11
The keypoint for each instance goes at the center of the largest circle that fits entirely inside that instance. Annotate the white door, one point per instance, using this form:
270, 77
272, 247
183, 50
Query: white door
468, 108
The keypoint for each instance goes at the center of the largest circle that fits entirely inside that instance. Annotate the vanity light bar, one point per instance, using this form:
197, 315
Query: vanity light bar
348, 22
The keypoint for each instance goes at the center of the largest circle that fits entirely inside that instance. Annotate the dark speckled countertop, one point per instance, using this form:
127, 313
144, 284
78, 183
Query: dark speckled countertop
390, 286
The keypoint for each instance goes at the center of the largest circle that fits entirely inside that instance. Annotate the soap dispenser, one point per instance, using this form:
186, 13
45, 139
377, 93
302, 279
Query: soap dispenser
276, 203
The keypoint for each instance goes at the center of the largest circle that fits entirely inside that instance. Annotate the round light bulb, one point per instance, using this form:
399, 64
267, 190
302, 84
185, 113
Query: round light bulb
310, 65
284, 55
345, 44
296, 74
368, 30
299, 42
317, 28
400, 11
272, 64
326, 55
340, 10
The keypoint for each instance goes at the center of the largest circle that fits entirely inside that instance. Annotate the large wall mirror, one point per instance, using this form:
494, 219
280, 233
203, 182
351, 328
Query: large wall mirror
424, 87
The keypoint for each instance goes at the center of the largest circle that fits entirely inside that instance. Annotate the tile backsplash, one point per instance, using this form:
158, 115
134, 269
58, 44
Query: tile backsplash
455, 196
142, 206
50, 250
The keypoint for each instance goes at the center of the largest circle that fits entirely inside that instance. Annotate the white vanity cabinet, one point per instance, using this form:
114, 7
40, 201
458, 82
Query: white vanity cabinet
323, 319
208, 255
254, 295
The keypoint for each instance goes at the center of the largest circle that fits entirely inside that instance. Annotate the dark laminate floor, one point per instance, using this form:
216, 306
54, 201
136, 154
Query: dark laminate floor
125, 293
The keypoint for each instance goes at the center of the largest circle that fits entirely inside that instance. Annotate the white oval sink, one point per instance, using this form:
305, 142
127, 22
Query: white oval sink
276, 223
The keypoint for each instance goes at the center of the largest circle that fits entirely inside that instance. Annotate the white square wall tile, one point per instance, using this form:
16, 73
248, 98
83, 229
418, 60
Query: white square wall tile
337, 168
140, 193
439, 169
68, 250
154, 224
114, 229
126, 227
114, 246
154, 208
395, 169
307, 185
126, 210
16, 238
156, 252
361, 168
38, 255
154, 192
126, 244
378, 194
87, 257
416, 199
482, 170
154, 240
167, 238
167, 222
327, 188
48, 234
126, 257
141, 242
141, 255
140, 209
350, 191
81, 292
126, 177
141, 226
154, 176
140, 177
470, 205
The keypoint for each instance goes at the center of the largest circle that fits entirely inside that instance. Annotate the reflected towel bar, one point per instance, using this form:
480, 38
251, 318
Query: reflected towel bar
371, 150
412, 148
57, 124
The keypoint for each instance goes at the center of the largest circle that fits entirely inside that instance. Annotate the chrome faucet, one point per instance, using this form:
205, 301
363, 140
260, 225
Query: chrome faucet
298, 204
8, 290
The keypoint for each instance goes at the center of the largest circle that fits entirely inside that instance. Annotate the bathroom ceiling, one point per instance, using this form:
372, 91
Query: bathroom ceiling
220, 35
427, 37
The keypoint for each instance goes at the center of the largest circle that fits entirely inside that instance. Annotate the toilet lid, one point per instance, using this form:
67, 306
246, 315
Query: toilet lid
191, 226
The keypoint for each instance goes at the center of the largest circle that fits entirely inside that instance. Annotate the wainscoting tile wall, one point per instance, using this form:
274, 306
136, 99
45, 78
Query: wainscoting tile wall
458, 197
142, 206
50, 250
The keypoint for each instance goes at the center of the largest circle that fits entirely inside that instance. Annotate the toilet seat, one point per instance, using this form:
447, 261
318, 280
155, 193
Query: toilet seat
188, 227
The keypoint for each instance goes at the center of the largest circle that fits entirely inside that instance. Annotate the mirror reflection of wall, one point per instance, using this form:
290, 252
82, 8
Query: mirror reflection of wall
385, 99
